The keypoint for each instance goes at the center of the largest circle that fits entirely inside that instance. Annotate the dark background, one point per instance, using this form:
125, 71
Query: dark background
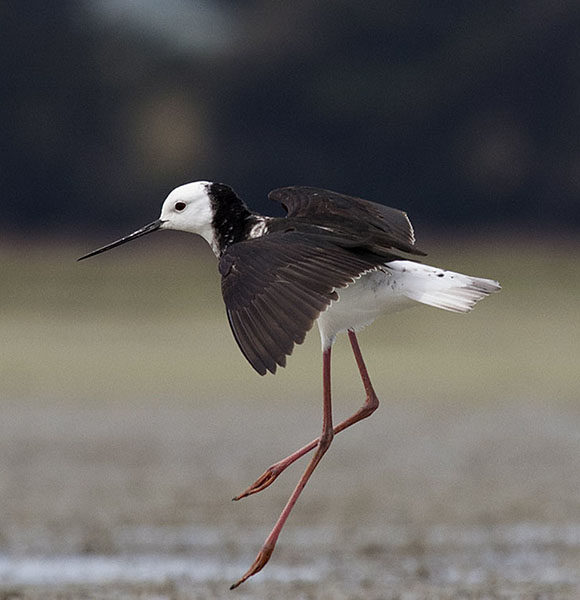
463, 111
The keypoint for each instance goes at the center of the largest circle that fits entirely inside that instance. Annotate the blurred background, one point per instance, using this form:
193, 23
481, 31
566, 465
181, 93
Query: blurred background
128, 415
467, 113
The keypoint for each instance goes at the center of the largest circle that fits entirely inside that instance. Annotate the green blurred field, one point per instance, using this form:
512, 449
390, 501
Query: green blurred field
146, 322
130, 418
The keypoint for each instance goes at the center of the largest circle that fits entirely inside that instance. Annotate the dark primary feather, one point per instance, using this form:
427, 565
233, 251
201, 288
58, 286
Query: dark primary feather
276, 286
376, 227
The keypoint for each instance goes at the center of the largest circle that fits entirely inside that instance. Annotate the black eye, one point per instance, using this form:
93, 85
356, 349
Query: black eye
179, 206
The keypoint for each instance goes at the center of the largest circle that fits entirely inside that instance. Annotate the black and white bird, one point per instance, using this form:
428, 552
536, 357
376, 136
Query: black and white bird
333, 260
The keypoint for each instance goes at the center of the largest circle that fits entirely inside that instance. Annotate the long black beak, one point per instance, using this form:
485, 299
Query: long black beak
133, 236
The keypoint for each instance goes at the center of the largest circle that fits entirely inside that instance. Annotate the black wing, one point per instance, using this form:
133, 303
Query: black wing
276, 286
380, 227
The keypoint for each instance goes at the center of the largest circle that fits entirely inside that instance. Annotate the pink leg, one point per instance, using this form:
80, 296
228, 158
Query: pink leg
371, 404
323, 444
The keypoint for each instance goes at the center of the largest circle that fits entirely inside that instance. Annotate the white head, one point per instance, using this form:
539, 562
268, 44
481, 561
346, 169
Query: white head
187, 208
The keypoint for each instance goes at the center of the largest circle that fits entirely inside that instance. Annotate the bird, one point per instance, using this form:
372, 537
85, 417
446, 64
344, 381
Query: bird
335, 260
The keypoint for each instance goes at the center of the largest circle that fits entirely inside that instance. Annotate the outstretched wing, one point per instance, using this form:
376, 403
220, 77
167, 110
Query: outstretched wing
276, 286
383, 227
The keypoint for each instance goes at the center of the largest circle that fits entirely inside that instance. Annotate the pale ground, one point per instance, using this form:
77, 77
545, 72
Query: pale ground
129, 420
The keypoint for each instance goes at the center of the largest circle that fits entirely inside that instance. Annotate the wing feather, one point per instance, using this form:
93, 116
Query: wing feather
383, 227
276, 286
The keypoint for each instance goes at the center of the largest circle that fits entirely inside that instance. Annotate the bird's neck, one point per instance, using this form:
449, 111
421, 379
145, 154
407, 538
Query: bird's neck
231, 218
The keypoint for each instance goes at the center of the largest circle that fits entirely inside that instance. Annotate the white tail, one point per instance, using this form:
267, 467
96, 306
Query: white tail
443, 289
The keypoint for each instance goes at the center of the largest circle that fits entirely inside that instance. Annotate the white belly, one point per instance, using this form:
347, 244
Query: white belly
397, 285
361, 303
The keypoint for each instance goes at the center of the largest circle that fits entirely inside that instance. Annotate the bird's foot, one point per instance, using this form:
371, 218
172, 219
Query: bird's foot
261, 560
266, 479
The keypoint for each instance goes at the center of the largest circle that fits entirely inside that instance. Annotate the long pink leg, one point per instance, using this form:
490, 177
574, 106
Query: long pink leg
323, 444
371, 404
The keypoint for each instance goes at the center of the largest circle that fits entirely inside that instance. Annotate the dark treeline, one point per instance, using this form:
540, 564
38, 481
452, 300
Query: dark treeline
467, 111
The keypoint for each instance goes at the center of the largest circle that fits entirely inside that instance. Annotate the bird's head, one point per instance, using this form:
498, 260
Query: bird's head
188, 208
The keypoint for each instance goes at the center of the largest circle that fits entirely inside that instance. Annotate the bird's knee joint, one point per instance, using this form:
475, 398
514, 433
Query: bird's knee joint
369, 407
372, 403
